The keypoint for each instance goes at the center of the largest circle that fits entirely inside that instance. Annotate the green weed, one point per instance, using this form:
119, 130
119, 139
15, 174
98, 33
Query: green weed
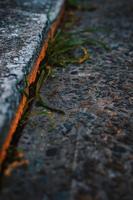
60, 53
41, 103
61, 47
83, 6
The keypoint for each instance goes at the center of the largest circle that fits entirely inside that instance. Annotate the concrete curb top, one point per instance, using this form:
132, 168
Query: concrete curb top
24, 28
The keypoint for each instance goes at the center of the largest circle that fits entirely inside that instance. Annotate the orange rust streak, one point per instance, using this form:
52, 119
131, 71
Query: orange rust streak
31, 79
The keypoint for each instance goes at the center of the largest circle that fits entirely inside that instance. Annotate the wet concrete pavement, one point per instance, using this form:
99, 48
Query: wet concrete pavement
86, 154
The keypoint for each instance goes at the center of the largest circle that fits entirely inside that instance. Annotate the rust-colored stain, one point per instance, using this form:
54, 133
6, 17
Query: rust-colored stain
31, 79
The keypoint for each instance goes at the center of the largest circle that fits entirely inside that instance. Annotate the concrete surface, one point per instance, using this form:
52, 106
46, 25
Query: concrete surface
88, 153
24, 25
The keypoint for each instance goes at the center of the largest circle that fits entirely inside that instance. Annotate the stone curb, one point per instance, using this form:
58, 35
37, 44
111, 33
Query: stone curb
25, 30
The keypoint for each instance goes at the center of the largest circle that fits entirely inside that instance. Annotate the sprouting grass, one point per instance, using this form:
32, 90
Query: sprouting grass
61, 53
72, 2
61, 47
84, 5
60, 50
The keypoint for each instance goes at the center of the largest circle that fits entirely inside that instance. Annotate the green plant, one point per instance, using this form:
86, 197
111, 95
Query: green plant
72, 2
60, 53
82, 6
60, 49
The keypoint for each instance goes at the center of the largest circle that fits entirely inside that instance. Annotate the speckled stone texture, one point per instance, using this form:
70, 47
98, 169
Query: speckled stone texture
87, 154
24, 25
